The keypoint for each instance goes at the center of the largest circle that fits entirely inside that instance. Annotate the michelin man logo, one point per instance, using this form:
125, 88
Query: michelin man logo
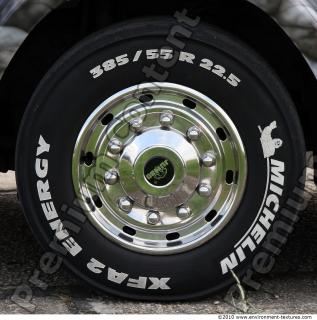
269, 144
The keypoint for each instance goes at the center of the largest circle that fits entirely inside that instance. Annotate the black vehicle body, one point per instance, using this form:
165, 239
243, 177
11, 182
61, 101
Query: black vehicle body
52, 33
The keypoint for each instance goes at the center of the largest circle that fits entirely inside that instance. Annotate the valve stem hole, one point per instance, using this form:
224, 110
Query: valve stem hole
172, 236
87, 159
129, 230
107, 119
97, 201
229, 177
221, 134
210, 216
189, 103
146, 98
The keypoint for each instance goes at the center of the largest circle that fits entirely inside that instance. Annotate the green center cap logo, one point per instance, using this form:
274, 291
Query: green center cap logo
159, 171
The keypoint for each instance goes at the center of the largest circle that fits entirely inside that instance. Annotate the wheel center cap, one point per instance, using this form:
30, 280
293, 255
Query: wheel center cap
159, 171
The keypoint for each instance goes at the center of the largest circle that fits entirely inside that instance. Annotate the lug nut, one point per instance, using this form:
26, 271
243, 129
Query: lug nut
136, 124
209, 159
204, 190
193, 133
183, 212
115, 146
111, 177
153, 217
166, 119
125, 204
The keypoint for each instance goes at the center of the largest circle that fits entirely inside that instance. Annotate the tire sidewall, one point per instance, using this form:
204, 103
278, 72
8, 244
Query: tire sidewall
68, 95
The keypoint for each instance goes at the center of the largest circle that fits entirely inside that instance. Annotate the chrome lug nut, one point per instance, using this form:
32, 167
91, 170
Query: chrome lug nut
183, 212
153, 217
136, 124
111, 177
166, 119
193, 133
115, 146
204, 190
209, 159
125, 204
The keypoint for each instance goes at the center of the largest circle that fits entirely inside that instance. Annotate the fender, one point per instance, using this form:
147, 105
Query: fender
55, 30
289, 17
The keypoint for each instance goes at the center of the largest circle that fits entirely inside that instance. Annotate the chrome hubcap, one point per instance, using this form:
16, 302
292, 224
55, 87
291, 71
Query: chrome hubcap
167, 174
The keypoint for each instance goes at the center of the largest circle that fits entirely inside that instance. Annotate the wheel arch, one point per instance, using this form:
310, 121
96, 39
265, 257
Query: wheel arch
74, 20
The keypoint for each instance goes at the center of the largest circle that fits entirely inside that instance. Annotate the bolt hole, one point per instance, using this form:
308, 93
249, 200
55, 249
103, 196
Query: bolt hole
107, 119
97, 201
172, 236
129, 230
189, 103
229, 176
146, 98
221, 134
210, 215
87, 159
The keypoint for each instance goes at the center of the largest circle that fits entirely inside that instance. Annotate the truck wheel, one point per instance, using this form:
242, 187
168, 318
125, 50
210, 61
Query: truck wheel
153, 170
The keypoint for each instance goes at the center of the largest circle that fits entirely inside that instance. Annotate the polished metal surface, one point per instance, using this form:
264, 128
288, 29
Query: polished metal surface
209, 159
111, 177
157, 180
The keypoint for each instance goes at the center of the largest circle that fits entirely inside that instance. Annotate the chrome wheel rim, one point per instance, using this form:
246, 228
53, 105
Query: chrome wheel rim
159, 168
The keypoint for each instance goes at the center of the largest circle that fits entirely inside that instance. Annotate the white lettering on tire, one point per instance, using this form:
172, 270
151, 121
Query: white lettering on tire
122, 278
165, 54
269, 207
45, 197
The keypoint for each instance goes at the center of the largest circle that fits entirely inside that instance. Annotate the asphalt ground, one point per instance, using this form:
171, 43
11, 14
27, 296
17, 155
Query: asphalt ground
290, 288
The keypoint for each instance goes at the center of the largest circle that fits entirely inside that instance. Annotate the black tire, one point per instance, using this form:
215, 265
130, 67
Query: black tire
67, 96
